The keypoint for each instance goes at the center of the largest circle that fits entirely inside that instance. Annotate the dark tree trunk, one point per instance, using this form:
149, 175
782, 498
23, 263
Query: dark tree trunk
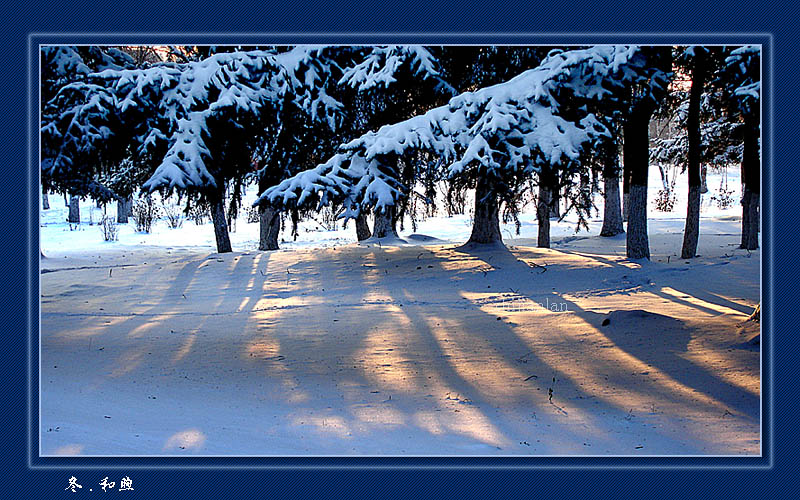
486, 223
547, 180
66, 200
543, 217
636, 150
703, 179
626, 187
45, 200
636, 160
217, 202
385, 222
612, 212
691, 232
362, 227
555, 201
269, 228
124, 206
74, 210
751, 171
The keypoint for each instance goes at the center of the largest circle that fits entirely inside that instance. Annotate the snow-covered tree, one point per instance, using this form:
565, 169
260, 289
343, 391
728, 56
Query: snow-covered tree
67, 163
491, 139
741, 79
393, 83
704, 135
197, 123
698, 59
641, 103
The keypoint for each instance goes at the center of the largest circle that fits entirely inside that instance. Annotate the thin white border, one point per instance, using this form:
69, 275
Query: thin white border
770, 463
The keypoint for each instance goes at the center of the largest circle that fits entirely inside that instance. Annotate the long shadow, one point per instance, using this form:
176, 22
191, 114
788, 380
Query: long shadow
482, 349
658, 272
640, 334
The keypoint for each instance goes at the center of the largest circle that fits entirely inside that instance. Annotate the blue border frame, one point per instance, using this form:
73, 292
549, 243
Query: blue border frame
486, 464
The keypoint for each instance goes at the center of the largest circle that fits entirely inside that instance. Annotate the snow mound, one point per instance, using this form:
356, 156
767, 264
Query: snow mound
423, 238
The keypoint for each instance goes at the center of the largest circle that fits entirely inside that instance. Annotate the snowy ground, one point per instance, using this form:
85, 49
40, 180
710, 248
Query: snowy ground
156, 345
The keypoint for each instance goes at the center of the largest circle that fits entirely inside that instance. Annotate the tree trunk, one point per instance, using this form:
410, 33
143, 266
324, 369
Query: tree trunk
269, 228
486, 223
45, 200
543, 214
626, 187
751, 171
636, 150
703, 179
220, 225
555, 202
749, 220
66, 200
385, 222
637, 161
691, 232
124, 206
74, 210
638, 245
362, 227
612, 213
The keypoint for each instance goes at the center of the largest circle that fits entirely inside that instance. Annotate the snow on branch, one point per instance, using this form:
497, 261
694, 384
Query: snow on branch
507, 129
381, 64
171, 104
742, 75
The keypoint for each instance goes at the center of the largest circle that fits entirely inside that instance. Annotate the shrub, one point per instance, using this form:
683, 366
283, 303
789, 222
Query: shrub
723, 199
197, 213
145, 212
173, 215
109, 228
665, 200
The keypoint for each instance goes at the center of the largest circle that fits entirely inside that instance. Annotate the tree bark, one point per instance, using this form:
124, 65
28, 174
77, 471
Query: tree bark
691, 232
486, 223
543, 212
362, 227
124, 206
220, 225
45, 200
612, 213
74, 210
751, 180
637, 161
703, 179
636, 150
638, 245
269, 228
385, 222
626, 187
555, 202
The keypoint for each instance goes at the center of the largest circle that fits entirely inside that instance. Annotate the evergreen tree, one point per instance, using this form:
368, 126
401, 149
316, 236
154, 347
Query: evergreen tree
741, 80
493, 138
194, 124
